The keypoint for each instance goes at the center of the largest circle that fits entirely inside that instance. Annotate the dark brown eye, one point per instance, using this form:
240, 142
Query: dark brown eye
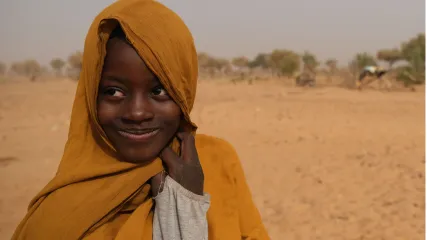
159, 91
114, 92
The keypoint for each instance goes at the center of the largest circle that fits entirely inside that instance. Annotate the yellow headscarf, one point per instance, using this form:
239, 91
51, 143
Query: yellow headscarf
93, 194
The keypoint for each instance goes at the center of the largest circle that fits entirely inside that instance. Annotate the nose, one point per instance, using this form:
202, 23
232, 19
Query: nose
138, 109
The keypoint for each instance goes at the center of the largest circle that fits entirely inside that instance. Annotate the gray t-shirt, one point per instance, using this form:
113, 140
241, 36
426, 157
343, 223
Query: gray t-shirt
180, 214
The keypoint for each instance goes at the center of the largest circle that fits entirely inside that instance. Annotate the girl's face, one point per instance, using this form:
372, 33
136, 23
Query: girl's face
134, 109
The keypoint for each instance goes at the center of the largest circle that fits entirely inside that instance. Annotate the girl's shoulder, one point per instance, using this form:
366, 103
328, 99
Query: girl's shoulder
206, 142
215, 148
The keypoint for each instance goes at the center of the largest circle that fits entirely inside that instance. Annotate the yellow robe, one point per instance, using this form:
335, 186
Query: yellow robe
95, 196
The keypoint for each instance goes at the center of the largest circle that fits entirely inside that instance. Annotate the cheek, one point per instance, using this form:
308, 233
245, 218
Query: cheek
172, 114
106, 113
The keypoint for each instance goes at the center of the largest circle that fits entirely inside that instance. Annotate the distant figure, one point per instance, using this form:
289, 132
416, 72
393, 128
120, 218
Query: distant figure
305, 79
369, 71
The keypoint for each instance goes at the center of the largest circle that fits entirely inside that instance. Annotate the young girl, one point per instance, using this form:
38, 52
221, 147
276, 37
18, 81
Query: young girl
133, 167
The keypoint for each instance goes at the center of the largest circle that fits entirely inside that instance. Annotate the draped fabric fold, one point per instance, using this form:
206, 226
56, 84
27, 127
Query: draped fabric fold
93, 195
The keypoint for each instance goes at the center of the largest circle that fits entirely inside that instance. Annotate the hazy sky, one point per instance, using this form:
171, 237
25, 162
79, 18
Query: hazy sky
44, 29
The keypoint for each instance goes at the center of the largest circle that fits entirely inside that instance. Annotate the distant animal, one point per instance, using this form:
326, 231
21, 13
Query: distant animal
305, 80
374, 72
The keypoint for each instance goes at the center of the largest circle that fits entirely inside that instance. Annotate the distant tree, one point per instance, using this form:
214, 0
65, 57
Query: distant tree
332, 65
310, 61
226, 66
284, 62
205, 63
212, 65
261, 60
360, 61
3, 68
413, 52
57, 65
75, 61
240, 62
219, 63
276, 57
203, 59
29, 68
44, 70
17, 68
391, 56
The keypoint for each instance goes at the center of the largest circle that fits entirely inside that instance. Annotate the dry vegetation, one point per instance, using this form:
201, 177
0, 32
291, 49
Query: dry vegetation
322, 163
280, 63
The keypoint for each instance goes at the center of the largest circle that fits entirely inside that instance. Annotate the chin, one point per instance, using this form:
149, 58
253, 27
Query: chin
138, 157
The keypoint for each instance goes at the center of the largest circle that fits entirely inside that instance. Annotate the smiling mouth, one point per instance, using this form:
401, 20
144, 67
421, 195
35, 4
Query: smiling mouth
139, 135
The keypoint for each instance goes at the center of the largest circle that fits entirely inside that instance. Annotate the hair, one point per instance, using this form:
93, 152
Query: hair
118, 33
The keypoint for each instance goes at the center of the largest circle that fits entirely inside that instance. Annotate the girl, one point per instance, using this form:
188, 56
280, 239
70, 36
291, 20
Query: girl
133, 166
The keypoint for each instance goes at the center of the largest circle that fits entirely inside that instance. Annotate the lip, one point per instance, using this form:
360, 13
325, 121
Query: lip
141, 135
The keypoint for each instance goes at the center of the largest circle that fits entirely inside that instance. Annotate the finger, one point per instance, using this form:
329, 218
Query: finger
169, 157
182, 135
188, 146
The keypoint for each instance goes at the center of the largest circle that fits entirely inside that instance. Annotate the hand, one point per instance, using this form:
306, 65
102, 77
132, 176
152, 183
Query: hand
186, 170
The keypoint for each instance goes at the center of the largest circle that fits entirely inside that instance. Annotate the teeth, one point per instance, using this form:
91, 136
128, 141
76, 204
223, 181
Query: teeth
140, 133
135, 133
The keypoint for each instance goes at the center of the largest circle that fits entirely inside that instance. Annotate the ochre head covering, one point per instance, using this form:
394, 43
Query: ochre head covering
93, 195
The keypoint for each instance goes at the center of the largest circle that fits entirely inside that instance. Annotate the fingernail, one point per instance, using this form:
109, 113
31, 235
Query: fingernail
180, 135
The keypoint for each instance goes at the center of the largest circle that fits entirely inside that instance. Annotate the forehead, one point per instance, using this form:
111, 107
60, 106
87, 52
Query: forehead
123, 62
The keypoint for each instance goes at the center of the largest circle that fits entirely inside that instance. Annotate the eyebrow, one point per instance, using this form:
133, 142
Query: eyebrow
115, 79
154, 79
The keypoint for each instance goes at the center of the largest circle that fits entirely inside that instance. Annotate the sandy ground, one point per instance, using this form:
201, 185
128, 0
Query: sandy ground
326, 163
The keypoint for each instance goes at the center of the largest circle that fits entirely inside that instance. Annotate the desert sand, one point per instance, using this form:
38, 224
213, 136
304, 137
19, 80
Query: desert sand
323, 163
